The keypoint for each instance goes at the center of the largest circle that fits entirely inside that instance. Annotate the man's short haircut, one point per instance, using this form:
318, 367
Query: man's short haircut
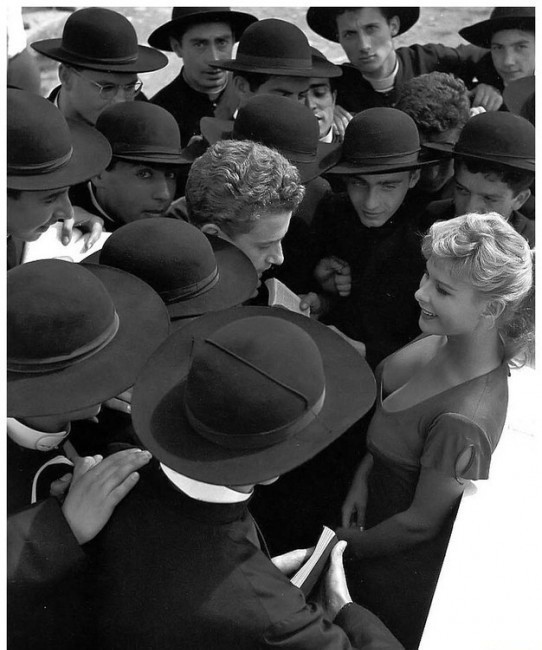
235, 183
254, 79
437, 102
517, 180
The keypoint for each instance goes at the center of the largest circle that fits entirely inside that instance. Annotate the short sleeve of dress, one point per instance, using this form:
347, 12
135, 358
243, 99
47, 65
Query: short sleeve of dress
458, 447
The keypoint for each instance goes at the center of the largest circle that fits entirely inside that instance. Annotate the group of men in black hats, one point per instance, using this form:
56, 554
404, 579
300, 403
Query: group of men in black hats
163, 319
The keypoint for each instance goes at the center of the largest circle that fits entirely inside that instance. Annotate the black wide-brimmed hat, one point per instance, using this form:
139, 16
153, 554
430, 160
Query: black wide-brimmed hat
282, 124
44, 151
97, 38
322, 20
274, 47
243, 395
519, 97
192, 272
141, 131
184, 17
322, 67
378, 141
497, 137
77, 335
480, 34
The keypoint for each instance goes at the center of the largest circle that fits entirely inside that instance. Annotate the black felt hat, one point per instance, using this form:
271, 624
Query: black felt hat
243, 395
184, 17
97, 38
500, 18
322, 20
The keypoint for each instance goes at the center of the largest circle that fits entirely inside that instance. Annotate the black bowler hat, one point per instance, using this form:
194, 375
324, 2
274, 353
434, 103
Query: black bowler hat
77, 335
192, 272
184, 17
322, 20
379, 141
97, 38
322, 67
44, 151
141, 131
500, 18
273, 47
497, 137
282, 124
245, 394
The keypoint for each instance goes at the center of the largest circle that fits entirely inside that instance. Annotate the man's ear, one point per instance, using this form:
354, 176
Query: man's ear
98, 180
414, 178
395, 24
65, 75
176, 46
242, 88
520, 199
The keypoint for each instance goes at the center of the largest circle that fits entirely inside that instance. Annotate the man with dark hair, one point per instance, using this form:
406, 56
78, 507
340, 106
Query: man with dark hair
494, 167
376, 70
199, 36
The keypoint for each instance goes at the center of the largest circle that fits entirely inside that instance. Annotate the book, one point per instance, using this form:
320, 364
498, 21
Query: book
309, 573
281, 296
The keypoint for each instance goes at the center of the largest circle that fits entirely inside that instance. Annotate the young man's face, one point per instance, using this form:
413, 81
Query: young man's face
295, 88
367, 39
135, 190
199, 46
32, 212
434, 177
321, 100
377, 197
513, 54
484, 193
85, 101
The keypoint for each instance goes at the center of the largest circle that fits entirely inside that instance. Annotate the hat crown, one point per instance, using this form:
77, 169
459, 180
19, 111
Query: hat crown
512, 12
278, 122
254, 376
99, 34
138, 129
38, 136
170, 255
497, 134
379, 134
274, 39
55, 309
181, 12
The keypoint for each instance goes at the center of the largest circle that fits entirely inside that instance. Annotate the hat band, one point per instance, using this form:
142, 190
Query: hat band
260, 440
390, 159
273, 62
39, 168
124, 149
119, 60
497, 157
192, 290
64, 360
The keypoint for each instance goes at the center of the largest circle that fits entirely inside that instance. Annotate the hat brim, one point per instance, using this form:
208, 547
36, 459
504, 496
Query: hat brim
350, 168
162, 426
143, 325
322, 20
148, 59
238, 20
154, 157
237, 65
325, 69
512, 162
480, 33
91, 155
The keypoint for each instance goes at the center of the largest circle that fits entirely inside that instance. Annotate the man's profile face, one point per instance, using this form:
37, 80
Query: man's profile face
32, 212
513, 54
198, 47
295, 88
85, 99
367, 39
321, 100
377, 197
131, 191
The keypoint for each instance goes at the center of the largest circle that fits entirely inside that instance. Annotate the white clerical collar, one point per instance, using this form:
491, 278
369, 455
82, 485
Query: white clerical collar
204, 491
328, 137
95, 203
386, 84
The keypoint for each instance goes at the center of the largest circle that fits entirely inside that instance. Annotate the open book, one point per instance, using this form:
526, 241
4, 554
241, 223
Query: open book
308, 575
281, 296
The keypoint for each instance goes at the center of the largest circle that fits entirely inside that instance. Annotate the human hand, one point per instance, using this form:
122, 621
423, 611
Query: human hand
334, 594
97, 487
178, 209
86, 222
355, 504
59, 488
486, 96
341, 117
314, 302
357, 345
122, 402
334, 275
289, 563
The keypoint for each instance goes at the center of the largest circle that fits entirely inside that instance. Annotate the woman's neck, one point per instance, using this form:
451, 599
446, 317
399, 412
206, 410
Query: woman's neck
472, 355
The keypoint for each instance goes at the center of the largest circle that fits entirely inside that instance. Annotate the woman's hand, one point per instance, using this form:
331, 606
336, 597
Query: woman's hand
353, 508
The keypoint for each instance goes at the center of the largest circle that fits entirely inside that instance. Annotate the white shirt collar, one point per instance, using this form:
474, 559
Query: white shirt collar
328, 137
204, 491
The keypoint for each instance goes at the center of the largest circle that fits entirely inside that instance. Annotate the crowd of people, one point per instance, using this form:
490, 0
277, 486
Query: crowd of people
175, 443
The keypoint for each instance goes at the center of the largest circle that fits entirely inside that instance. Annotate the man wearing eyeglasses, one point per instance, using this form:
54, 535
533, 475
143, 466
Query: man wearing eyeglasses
99, 62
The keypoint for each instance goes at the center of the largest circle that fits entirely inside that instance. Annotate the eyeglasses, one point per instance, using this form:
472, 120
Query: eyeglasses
109, 91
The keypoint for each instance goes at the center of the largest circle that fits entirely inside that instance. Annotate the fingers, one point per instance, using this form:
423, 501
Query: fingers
84, 464
118, 404
59, 487
338, 552
310, 301
94, 236
66, 231
114, 470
